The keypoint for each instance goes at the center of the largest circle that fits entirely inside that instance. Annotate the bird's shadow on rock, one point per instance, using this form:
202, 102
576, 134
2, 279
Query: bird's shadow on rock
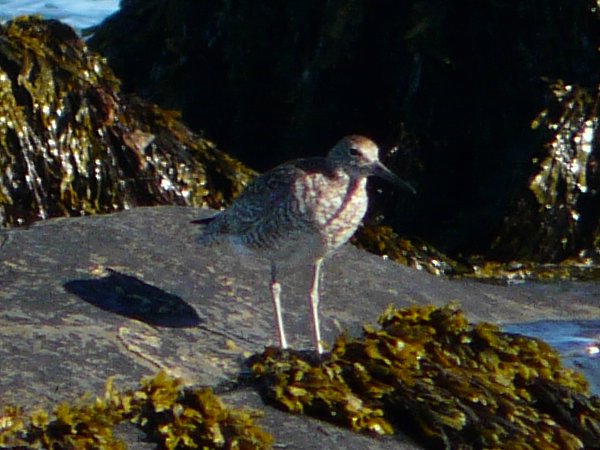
126, 295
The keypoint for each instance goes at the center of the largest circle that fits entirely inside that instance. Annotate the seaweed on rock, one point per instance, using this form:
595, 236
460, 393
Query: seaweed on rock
71, 144
174, 417
558, 217
413, 252
430, 373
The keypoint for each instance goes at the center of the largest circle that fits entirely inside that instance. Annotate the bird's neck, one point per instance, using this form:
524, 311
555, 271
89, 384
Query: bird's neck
351, 180
345, 174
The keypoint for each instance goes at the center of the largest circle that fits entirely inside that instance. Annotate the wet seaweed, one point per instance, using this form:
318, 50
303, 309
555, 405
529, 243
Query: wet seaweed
557, 218
173, 417
428, 372
72, 144
413, 252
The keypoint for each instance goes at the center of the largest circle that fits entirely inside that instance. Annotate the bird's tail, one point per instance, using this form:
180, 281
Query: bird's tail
208, 237
204, 221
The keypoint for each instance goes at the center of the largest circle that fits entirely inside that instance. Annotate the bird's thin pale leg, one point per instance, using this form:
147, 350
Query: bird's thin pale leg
276, 297
314, 305
323, 199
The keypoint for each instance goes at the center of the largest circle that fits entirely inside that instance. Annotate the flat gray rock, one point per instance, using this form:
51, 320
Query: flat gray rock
127, 294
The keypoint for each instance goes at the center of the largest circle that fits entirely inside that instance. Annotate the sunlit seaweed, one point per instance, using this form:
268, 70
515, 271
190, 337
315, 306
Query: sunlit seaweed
196, 418
558, 219
425, 371
383, 240
413, 252
431, 374
72, 144
580, 269
174, 417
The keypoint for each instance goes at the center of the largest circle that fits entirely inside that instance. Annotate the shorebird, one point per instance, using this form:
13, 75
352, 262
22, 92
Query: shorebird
300, 212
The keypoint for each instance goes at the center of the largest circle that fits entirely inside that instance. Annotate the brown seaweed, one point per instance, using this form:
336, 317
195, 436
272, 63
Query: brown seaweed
174, 417
450, 384
71, 144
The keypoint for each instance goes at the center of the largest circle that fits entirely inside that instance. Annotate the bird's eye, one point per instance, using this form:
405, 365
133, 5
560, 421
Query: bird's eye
354, 151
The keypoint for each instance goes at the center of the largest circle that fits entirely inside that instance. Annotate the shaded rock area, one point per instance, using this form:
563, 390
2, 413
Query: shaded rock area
72, 144
493, 107
127, 294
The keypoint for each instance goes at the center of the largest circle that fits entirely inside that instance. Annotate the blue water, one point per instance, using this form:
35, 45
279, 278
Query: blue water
77, 13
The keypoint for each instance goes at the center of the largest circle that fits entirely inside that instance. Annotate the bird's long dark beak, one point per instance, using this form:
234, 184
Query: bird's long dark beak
383, 172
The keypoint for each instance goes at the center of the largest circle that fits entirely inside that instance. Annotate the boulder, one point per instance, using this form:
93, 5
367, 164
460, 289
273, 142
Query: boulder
132, 293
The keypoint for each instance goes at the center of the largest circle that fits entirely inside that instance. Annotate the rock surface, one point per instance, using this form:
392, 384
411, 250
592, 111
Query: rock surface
126, 294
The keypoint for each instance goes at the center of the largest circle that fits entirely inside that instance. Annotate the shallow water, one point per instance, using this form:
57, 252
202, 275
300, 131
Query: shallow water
77, 13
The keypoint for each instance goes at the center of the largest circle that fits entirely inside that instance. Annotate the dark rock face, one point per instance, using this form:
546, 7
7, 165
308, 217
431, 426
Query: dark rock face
455, 85
71, 144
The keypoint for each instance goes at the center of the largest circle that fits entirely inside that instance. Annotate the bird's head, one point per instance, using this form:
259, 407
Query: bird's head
359, 157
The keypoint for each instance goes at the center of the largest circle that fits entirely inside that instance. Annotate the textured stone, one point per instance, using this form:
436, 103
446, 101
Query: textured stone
55, 343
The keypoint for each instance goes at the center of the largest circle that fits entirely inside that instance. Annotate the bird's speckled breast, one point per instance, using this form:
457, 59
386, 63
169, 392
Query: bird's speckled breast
335, 204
